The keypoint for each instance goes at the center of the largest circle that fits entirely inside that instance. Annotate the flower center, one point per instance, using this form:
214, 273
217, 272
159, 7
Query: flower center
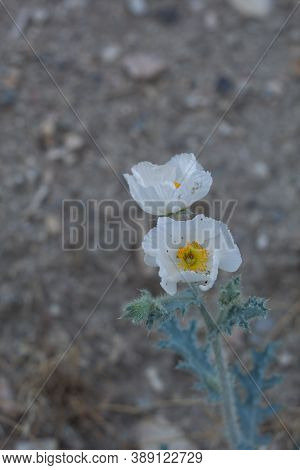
192, 257
176, 184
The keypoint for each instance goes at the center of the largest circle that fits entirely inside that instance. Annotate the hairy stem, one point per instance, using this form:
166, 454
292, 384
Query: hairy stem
226, 387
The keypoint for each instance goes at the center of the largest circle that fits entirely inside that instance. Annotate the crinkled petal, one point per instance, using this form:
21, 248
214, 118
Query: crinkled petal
147, 173
150, 242
229, 253
168, 188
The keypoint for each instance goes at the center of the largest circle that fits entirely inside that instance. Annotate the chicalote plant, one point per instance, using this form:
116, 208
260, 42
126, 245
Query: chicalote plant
191, 250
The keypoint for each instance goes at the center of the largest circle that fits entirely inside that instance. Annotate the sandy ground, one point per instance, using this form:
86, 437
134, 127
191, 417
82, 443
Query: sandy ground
113, 389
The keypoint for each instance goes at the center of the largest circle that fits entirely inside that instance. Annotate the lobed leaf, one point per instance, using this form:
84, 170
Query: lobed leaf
249, 400
236, 312
194, 358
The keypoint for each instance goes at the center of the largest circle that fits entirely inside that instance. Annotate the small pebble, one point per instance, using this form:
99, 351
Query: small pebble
156, 432
252, 8
210, 21
224, 86
47, 131
262, 241
195, 101
261, 170
57, 154
144, 66
285, 359
38, 444
40, 15
154, 379
52, 223
73, 142
110, 53
273, 88
137, 7
54, 310
225, 129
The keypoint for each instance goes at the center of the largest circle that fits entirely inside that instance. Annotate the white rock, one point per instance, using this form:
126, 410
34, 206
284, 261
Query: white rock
195, 101
285, 359
273, 88
262, 241
225, 129
252, 8
39, 444
144, 66
52, 223
47, 131
40, 15
154, 379
110, 53
261, 170
156, 431
73, 142
56, 154
54, 310
137, 7
211, 21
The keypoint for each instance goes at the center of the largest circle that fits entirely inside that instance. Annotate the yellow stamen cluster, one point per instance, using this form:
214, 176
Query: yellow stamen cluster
176, 184
192, 257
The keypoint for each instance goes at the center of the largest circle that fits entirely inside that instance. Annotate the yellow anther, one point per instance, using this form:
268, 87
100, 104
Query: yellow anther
192, 257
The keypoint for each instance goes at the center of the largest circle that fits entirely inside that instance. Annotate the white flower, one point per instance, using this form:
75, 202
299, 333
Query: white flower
190, 251
168, 188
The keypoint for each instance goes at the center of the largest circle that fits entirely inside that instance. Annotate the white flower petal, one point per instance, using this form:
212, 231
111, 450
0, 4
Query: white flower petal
149, 174
185, 163
161, 246
230, 256
168, 188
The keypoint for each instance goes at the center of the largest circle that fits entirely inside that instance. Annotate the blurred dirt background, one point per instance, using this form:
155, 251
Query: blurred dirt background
148, 79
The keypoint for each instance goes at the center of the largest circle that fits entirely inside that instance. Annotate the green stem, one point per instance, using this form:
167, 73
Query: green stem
226, 387
228, 402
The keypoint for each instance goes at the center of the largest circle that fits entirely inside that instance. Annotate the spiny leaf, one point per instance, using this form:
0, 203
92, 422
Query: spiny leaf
251, 412
236, 312
195, 359
240, 315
